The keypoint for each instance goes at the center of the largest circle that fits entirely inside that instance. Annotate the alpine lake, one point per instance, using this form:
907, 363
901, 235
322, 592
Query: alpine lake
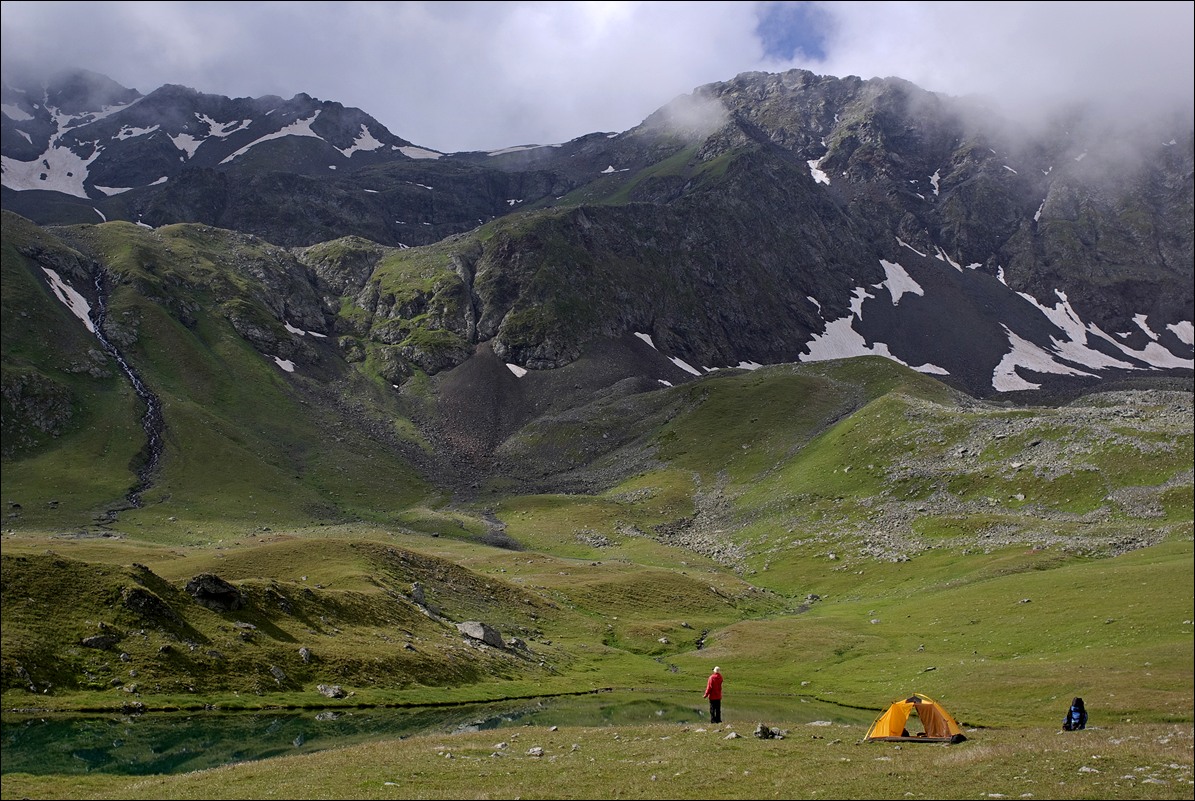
157, 743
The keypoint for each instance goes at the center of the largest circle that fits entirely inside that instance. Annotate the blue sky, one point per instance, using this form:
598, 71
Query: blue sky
485, 75
792, 30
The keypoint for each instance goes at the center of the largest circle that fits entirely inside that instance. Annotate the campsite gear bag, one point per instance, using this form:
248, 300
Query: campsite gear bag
1076, 716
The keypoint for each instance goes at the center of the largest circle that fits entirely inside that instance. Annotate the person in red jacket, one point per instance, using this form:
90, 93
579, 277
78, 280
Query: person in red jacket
713, 691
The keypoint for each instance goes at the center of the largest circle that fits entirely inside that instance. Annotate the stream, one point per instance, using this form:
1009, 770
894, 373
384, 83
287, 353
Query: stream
152, 420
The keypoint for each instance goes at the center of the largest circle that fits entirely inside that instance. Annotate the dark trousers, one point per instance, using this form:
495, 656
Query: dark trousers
715, 710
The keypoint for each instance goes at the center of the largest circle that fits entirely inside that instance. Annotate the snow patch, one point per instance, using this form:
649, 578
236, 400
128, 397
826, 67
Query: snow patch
301, 332
1185, 331
1076, 350
860, 295
899, 282
15, 114
187, 143
365, 142
301, 127
516, 149
841, 341
1025, 354
942, 256
647, 338
73, 300
56, 170
132, 133
818, 174
1140, 320
905, 244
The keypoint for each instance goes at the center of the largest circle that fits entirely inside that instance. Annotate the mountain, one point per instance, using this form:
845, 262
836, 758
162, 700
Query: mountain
768, 219
286, 399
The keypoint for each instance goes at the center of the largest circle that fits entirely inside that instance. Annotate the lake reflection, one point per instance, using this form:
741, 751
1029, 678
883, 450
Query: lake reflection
177, 742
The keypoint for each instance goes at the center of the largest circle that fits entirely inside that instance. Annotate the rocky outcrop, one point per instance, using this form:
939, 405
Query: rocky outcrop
148, 605
213, 592
482, 632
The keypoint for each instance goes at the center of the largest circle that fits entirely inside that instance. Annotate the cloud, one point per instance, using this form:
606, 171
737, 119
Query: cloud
1027, 57
485, 75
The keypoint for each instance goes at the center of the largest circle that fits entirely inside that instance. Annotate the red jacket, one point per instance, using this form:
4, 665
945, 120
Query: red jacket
713, 687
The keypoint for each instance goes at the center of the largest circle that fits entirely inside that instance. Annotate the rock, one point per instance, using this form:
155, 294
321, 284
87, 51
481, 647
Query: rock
213, 592
331, 691
101, 641
765, 732
145, 603
481, 631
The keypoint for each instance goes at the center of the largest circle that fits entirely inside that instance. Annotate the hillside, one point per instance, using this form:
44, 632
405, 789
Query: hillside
837, 384
850, 495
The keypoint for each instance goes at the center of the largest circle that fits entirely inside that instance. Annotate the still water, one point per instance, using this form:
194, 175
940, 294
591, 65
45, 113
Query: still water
178, 742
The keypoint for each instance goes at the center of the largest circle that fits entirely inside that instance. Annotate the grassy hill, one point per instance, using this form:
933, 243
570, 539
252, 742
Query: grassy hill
847, 531
885, 534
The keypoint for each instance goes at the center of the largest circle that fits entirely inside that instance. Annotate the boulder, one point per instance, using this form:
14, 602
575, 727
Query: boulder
100, 641
765, 732
481, 631
213, 592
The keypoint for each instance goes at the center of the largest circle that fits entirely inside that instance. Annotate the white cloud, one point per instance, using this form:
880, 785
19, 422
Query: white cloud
484, 76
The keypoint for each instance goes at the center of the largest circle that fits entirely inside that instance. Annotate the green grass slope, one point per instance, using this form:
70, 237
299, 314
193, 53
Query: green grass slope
854, 536
246, 443
71, 422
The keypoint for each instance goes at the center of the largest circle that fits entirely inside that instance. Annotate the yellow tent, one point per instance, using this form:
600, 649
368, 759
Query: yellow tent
937, 726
